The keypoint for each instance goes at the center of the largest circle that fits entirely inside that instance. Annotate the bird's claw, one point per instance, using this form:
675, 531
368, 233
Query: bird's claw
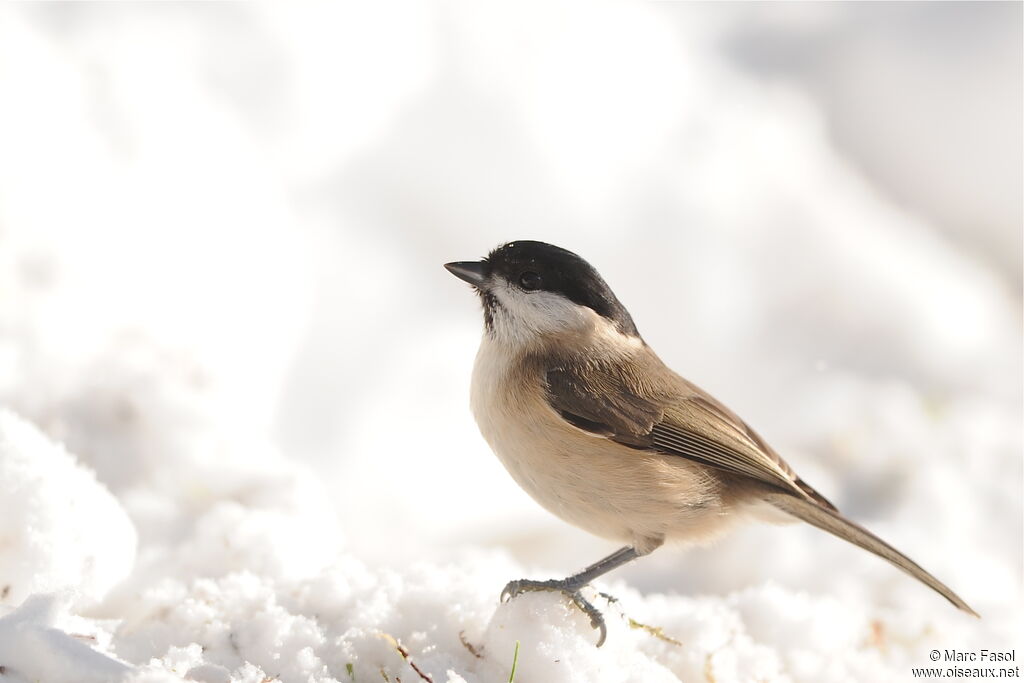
571, 591
520, 586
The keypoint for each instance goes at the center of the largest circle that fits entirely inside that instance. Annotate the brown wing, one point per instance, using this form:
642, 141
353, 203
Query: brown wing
672, 416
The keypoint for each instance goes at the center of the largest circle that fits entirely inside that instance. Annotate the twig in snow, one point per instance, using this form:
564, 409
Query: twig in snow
709, 670
402, 650
655, 631
469, 646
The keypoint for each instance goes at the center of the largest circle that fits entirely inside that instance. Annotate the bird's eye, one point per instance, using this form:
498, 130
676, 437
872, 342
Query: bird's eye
529, 280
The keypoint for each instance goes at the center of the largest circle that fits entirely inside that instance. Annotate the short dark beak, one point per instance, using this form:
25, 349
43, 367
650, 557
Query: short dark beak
471, 271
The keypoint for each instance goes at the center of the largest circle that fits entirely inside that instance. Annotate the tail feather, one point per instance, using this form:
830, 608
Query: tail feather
836, 524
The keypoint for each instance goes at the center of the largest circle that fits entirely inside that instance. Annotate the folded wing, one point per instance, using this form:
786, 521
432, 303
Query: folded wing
623, 402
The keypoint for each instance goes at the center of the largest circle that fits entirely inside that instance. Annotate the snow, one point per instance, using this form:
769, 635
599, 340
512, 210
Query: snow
234, 435
35, 644
60, 527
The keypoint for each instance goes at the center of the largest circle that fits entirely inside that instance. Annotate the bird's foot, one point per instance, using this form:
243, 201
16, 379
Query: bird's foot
568, 589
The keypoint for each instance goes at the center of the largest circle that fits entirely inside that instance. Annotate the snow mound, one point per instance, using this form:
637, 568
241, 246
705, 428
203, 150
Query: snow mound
41, 641
60, 528
443, 622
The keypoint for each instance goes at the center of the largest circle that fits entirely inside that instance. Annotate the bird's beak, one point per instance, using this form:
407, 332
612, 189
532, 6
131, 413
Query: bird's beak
472, 272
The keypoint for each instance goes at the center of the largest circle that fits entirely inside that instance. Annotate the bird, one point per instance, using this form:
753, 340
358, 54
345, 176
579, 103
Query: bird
591, 423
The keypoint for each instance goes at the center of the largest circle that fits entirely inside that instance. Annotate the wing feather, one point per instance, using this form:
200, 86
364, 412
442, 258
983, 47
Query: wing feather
672, 416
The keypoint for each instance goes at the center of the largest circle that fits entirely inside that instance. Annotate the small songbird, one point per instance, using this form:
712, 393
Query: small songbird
590, 422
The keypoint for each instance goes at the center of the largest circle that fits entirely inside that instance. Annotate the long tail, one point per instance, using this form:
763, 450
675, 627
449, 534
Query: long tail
836, 524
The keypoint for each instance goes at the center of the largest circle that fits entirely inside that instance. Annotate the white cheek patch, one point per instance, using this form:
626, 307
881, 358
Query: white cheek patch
522, 316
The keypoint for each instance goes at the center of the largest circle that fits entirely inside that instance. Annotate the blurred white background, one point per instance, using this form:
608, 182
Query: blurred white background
814, 210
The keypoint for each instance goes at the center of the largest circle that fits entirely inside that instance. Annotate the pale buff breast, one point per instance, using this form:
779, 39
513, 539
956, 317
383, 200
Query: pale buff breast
612, 491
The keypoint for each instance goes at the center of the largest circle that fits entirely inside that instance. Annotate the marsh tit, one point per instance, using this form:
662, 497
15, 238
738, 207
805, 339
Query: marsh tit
590, 422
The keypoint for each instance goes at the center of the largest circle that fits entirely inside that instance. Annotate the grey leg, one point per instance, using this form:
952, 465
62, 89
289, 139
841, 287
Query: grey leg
571, 586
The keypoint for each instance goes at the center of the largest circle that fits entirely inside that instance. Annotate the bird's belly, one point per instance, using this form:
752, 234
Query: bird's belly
632, 496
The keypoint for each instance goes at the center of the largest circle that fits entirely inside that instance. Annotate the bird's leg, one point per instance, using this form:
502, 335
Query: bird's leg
571, 586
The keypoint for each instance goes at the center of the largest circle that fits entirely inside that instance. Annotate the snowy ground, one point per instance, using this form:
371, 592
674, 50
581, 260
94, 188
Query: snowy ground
234, 440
